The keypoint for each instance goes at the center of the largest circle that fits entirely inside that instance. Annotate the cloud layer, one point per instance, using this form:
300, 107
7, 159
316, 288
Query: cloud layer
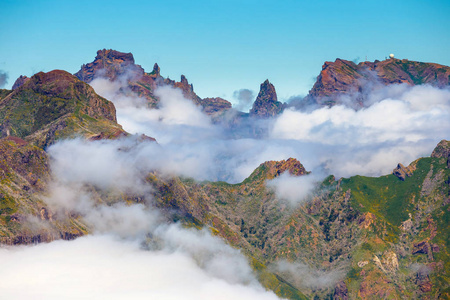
104, 267
399, 123
133, 253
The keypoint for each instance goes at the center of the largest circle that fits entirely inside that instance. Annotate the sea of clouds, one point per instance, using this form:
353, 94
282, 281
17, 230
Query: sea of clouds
135, 254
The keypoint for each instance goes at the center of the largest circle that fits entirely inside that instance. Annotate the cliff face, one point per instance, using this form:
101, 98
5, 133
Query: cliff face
266, 104
24, 175
116, 65
55, 105
110, 64
20, 81
343, 77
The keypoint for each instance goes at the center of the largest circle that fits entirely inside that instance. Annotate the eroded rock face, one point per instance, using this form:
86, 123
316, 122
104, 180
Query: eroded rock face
272, 169
388, 262
402, 172
110, 64
20, 81
344, 78
266, 104
119, 66
442, 150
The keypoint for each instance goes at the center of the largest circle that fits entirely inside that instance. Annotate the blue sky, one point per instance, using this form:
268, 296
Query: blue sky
222, 46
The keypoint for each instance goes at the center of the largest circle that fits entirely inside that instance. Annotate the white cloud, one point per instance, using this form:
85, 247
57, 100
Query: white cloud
294, 189
104, 267
302, 275
398, 124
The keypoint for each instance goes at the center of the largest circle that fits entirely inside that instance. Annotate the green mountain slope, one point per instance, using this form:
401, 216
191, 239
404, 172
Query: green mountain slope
55, 105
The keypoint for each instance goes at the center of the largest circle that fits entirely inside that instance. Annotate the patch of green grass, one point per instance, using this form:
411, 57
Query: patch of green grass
388, 197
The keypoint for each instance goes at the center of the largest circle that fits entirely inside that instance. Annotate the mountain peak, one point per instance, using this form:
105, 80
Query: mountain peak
110, 64
53, 105
156, 70
266, 104
343, 77
271, 169
20, 81
114, 55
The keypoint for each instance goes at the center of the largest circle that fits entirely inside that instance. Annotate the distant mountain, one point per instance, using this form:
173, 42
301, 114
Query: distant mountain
343, 77
116, 65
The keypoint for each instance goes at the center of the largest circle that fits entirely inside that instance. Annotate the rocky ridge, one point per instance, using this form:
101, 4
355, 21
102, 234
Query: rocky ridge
346, 78
115, 65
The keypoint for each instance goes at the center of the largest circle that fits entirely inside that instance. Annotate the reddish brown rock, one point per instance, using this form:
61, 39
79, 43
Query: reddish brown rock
20, 81
342, 77
266, 104
110, 64
442, 150
115, 65
271, 169
402, 172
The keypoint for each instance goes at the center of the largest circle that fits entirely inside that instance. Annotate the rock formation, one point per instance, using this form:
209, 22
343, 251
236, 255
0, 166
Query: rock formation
119, 66
266, 104
345, 78
20, 81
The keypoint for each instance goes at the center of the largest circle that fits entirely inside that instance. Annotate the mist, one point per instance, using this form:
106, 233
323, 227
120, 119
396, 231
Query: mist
302, 275
245, 99
397, 124
105, 267
134, 252
3, 78
293, 189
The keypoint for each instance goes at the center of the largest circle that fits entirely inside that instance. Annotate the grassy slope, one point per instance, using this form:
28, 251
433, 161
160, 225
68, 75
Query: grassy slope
391, 201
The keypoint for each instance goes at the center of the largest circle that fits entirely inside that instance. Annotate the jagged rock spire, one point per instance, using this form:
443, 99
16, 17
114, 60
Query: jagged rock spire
266, 104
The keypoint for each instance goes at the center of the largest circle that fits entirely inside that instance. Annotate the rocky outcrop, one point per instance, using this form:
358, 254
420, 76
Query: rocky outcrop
346, 81
335, 78
119, 66
442, 150
110, 64
266, 104
402, 172
271, 169
366, 220
20, 81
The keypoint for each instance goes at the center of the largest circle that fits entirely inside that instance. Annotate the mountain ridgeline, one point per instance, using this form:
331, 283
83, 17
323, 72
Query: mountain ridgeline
376, 237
